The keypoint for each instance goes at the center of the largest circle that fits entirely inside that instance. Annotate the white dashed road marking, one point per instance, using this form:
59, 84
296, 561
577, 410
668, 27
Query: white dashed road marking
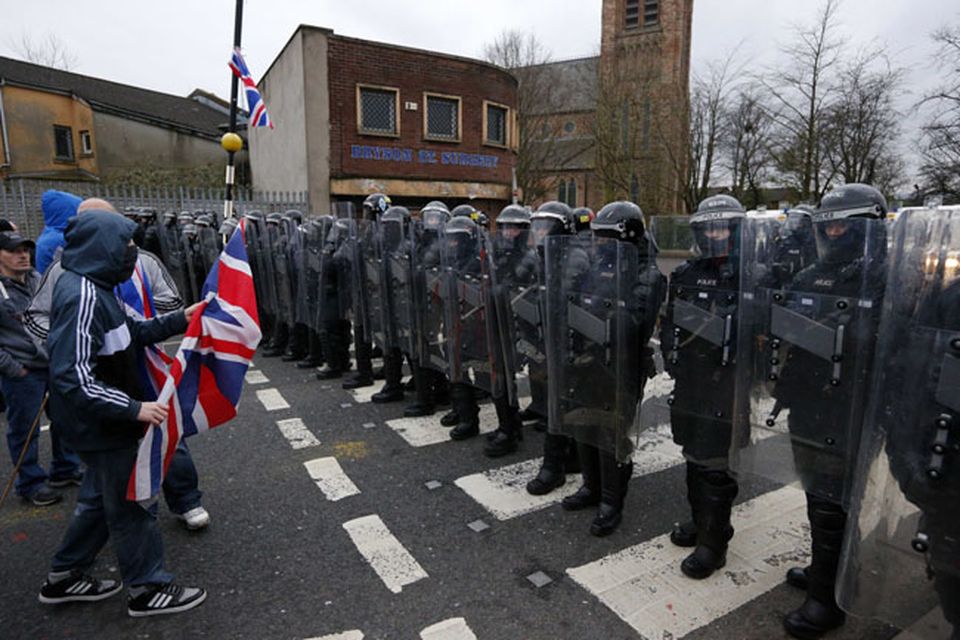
296, 432
346, 635
392, 562
643, 584
331, 479
271, 399
451, 629
503, 492
255, 376
427, 430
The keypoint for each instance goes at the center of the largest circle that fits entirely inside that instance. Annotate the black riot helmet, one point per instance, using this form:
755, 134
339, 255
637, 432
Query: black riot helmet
434, 215
395, 223
582, 217
839, 237
716, 227
227, 227
294, 215
513, 227
463, 210
621, 221
462, 237
551, 219
375, 205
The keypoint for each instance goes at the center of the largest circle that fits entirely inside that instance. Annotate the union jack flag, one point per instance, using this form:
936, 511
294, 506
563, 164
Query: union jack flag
255, 104
202, 388
136, 296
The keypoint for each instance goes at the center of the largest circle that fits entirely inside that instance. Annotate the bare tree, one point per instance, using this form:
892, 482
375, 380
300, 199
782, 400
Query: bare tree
862, 126
527, 58
49, 51
941, 152
747, 146
801, 96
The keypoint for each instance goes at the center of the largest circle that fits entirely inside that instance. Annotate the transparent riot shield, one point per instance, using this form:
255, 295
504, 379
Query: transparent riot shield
193, 261
469, 329
294, 242
315, 231
336, 273
171, 249
399, 248
517, 292
370, 301
901, 555
804, 348
208, 245
281, 271
672, 233
431, 289
698, 332
594, 341
256, 239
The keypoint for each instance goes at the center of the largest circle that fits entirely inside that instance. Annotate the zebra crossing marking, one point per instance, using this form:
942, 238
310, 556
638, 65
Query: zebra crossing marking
255, 376
644, 587
297, 434
271, 399
502, 491
331, 479
427, 430
450, 629
384, 553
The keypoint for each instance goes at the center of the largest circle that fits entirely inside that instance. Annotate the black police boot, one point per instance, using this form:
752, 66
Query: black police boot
329, 373
314, 357
468, 413
278, 344
356, 381
552, 474
684, 534
364, 374
450, 418
797, 577
819, 613
613, 490
716, 493
529, 415
509, 430
571, 459
297, 347
424, 389
393, 388
588, 495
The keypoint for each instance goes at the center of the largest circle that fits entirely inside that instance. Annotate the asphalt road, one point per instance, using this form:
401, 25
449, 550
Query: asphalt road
279, 563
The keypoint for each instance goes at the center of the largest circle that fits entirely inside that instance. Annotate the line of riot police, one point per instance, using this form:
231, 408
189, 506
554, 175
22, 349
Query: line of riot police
820, 346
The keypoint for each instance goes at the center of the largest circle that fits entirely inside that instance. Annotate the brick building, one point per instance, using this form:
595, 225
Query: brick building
616, 124
354, 117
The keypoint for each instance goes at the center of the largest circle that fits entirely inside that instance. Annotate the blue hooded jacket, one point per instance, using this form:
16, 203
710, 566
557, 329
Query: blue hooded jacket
58, 207
94, 385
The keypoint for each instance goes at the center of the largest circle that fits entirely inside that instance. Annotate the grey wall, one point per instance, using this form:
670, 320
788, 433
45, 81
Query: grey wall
127, 144
317, 121
278, 156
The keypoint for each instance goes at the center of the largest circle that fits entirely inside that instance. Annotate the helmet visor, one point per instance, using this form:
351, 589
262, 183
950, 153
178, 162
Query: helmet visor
540, 228
715, 238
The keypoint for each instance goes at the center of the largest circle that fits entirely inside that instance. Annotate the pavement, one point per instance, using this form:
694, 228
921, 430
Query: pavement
336, 518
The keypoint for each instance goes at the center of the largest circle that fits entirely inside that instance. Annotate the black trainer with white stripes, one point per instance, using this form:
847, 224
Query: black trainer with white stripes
167, 598
78, 587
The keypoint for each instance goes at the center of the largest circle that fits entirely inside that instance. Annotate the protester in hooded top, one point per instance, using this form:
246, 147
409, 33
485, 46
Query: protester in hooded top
23, 378
93, 347
181, 483
58, 207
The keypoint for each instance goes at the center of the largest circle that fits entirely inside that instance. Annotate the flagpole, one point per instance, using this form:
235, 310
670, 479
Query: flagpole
231, 142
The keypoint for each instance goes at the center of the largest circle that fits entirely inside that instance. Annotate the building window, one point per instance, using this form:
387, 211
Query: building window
651, 12
495, 119
441, 117
569, 127
63, 142
377, 109
632, 14
86, 143
567, 192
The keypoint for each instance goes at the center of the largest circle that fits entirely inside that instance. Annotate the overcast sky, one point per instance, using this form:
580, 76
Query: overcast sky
178, 45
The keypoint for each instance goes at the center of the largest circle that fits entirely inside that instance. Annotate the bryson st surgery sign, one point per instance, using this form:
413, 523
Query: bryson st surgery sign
422, 156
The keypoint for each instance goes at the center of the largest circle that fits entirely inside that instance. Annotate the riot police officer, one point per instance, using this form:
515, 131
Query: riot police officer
279, 256
315, 232
430, 382
814, 340
374, 206
600, 326
697, 338
559, 451
336, 300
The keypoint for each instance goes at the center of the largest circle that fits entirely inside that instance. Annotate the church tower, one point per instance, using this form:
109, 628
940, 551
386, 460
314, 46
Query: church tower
644, 85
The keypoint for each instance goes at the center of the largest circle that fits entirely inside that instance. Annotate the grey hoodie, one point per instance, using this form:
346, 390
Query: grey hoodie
17, 349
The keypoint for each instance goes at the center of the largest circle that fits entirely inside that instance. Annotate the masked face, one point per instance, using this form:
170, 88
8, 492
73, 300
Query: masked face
129, 261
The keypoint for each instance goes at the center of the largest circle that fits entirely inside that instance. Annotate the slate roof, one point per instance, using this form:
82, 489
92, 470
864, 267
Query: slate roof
573, 84
161, 109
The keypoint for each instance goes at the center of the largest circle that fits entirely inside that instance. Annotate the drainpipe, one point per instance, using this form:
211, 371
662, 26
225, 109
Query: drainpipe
3, 130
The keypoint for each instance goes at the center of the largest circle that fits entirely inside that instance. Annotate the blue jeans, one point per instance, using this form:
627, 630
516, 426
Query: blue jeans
24, 396
180, 488
103, 511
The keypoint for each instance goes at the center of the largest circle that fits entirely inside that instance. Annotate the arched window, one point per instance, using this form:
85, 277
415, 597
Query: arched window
572, 193
562, 191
